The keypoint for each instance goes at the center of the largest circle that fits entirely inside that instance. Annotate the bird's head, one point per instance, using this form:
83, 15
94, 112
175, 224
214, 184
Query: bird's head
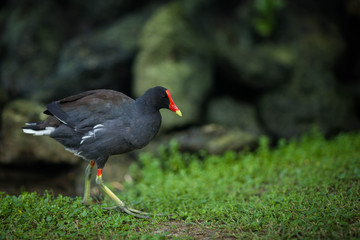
161, 97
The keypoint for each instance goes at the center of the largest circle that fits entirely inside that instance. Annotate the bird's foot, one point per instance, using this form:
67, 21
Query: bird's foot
131, 211
118, 203
136, 213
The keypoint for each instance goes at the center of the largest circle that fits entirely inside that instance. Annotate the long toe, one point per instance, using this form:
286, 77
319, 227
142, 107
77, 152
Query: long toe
130, 211
135, 213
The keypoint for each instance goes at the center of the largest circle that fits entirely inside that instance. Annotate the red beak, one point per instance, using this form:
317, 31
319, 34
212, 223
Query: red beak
172, 105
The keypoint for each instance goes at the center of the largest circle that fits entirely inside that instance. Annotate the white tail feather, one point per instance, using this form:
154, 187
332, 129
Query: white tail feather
46, 132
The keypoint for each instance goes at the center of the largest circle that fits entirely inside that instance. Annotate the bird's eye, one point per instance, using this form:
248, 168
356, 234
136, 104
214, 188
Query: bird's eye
164, 96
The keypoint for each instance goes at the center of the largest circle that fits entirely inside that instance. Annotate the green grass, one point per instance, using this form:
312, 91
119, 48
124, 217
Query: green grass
307, 189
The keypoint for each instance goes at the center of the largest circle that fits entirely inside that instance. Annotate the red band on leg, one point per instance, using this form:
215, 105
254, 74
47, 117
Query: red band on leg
99, 172
92, 163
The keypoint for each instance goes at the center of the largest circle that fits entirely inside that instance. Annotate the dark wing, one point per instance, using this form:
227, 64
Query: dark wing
55, 110
87, 109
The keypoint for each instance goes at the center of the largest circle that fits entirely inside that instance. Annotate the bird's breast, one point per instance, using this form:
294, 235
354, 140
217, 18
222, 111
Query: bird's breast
144, 130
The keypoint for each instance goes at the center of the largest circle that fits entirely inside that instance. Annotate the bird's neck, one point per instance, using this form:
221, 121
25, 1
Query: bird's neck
145, 106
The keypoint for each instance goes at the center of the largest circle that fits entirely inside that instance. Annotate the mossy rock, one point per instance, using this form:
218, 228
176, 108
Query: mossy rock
211, 138
312, 97
231, 113
104, 47
18, 147
245, 60
32, 37
258, 66
100, 59
310, 100
215, 139
172, 55
264, 66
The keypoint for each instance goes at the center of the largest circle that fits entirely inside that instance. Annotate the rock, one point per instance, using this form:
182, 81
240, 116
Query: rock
215, 139
174, 56
103, 57
19, 148
32, 38
265, 66
312, 97
212, 138
228, 112
242, 58
310, 100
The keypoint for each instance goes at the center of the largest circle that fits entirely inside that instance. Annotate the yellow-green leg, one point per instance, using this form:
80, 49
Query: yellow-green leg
86, 200
119, 204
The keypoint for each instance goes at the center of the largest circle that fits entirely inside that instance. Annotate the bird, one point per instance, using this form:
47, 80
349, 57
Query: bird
97, 124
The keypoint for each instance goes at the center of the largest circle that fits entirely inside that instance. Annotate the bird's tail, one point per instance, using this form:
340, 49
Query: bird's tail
37, 129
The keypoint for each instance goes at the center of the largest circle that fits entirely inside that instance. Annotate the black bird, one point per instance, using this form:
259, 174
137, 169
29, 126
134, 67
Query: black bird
99, 123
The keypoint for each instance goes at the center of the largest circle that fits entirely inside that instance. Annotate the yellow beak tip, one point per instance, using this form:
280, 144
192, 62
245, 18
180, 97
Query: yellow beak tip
178, 112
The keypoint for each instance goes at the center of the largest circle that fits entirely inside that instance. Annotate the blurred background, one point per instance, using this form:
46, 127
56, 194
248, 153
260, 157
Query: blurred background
236, 69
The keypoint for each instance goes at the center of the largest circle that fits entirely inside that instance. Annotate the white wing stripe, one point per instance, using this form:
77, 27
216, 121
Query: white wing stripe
92, 134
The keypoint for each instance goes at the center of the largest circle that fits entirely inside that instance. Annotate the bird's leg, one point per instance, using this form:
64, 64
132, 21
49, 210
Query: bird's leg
119, 204
88, 171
